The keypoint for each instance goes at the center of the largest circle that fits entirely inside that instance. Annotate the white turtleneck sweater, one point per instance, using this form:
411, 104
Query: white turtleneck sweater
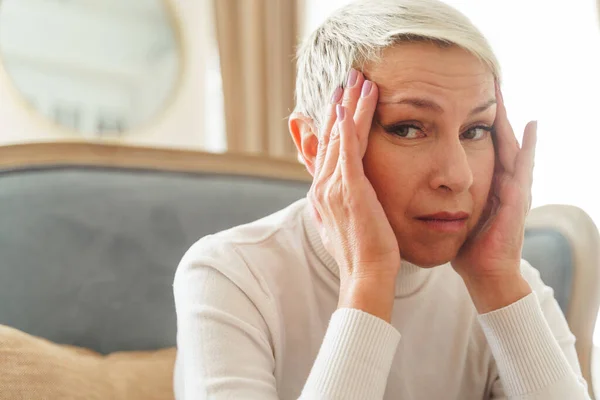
257, 319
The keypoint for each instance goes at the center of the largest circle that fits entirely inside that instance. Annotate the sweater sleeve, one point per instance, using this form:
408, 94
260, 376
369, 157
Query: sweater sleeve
533, 348
225, 349
223, 344
355, 358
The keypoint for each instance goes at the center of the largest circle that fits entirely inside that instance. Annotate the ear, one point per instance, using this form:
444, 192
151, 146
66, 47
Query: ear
302, 129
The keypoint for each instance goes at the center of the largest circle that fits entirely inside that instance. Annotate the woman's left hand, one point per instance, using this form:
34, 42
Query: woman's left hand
489, 261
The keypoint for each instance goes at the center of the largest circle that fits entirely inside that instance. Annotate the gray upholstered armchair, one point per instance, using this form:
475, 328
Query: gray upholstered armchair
562, 242
91, 234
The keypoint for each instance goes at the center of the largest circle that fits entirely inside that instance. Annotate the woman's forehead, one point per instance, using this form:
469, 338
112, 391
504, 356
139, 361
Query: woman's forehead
431, 69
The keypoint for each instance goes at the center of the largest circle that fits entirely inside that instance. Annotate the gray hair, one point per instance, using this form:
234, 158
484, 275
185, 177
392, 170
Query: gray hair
356, 34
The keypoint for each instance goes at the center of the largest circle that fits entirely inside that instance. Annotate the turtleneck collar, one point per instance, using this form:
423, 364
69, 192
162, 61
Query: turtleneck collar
410, 277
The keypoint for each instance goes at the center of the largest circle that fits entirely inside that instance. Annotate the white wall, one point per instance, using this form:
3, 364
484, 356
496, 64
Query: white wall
181, 125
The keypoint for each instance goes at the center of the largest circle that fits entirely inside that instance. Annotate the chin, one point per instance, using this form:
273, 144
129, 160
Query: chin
429, 257
428, 251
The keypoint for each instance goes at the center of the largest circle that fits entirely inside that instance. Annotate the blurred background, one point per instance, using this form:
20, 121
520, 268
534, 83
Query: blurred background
218, 76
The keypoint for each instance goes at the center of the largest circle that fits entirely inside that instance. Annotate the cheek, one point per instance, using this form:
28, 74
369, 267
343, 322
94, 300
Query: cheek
482, 167
393, 171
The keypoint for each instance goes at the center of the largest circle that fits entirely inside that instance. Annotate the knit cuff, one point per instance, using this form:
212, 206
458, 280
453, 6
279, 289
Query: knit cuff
355, 358
526, 353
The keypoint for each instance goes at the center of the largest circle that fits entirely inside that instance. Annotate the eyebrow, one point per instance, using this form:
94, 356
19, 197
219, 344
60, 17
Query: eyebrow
431, 105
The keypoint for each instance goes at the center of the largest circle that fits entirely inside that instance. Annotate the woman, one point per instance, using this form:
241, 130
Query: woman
399, 277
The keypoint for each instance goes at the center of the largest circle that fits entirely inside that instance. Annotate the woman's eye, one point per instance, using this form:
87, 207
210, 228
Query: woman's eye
406, 131
476, 133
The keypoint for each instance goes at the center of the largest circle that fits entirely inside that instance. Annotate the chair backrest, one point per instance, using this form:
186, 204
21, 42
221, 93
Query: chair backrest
91, 234
562, 243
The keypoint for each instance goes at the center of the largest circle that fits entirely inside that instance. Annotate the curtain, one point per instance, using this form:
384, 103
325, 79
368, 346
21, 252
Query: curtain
257, 42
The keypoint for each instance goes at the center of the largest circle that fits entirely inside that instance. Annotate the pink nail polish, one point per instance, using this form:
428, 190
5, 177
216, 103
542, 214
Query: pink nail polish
341, 112
352, 77
337, 95
366, 89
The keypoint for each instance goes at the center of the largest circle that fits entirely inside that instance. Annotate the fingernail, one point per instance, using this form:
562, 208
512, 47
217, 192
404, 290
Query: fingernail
352, 77
341, 112
337, 95
366, 89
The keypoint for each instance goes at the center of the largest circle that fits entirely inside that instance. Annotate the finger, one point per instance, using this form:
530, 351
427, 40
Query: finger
506, 142
314, 205
350, 159
326, 130
526, 158
315, 212
352, 90
333, 151
363, 116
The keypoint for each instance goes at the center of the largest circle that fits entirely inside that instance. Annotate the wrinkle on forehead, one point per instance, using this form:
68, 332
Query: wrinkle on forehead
431, 69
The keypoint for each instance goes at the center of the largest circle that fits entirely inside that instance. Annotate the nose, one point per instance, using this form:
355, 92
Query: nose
451, 171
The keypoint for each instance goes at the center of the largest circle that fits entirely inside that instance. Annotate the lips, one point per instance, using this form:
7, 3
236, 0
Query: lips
445, 222
445, 216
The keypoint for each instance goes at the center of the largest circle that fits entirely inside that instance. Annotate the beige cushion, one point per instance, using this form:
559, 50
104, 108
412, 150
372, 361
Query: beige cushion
34, 369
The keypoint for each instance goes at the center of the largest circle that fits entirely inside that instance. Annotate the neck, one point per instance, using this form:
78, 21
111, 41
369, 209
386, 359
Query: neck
410, 280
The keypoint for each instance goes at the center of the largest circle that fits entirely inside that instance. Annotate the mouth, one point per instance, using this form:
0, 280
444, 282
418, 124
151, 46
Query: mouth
449, 222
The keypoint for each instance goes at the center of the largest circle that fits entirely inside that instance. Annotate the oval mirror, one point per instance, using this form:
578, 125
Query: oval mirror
98, 67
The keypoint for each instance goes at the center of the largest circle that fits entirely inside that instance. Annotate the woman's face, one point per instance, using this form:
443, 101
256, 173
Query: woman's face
430, 155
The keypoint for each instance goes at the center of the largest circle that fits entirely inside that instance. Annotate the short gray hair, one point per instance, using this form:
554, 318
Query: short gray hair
356, 34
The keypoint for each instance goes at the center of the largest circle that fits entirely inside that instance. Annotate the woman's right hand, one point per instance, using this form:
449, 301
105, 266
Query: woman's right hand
351, 220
